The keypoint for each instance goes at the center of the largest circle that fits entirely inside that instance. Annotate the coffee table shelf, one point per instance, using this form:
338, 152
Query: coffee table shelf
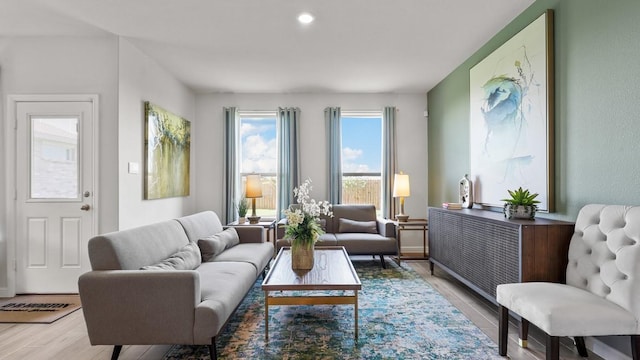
332, 270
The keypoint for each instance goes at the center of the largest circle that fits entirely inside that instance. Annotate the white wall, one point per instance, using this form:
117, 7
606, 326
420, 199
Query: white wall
124, 78
142, 79
411, 130
62, 65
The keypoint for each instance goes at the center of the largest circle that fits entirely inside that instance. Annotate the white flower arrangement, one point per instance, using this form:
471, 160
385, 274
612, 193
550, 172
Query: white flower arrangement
303, 223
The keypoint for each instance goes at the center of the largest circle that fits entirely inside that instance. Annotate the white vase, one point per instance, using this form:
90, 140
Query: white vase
465, 192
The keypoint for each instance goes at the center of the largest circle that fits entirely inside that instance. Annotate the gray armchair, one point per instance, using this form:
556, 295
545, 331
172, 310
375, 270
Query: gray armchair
357, 228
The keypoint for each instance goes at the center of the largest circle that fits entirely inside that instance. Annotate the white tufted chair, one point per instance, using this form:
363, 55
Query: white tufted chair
602, 291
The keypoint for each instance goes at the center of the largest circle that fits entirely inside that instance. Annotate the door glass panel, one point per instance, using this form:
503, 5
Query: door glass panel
54, 158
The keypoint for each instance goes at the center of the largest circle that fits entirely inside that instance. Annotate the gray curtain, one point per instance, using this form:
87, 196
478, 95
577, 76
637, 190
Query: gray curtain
288, 157
388, 161
332, 118
232, 192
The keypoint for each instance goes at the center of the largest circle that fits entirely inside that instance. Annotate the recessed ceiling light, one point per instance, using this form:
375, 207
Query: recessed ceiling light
305, 18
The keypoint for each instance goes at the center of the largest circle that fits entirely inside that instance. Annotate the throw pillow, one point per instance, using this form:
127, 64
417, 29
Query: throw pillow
213, 245
353, 226
187, 258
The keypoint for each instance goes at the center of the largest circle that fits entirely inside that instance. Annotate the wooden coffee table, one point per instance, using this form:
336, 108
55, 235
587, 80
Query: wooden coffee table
332, 271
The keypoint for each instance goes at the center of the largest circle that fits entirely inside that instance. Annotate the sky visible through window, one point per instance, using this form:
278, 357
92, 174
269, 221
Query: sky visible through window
259, 148
361, 144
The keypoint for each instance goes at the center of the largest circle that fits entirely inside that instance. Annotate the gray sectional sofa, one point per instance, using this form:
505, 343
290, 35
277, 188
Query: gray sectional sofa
174, 282
357, 228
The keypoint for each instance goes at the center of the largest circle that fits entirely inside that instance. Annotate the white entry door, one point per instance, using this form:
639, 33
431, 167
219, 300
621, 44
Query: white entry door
54, 194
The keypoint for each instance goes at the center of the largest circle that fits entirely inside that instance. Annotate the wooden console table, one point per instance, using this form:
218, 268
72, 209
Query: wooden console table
483, 249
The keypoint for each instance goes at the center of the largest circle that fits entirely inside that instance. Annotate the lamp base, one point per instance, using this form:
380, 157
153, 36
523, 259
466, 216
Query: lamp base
253, 219
402, 217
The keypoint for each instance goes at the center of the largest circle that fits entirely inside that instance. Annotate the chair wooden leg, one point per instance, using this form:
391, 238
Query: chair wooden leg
553, 347
523, 328
384, 265
116, 352
431, 267
503, 329
582, 348
213, 354
635, 347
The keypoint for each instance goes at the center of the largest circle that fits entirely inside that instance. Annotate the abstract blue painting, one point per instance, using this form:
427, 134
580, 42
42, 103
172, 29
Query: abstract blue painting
511, 117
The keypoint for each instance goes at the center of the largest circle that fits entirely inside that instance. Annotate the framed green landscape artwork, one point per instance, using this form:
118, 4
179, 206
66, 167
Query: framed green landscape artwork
511, 117
167, 152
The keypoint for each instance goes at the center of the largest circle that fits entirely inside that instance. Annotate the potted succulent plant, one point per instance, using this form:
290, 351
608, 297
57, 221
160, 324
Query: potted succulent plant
242, 206
521, 205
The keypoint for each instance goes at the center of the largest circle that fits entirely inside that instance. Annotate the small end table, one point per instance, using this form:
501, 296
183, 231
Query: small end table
270, 225
412, 225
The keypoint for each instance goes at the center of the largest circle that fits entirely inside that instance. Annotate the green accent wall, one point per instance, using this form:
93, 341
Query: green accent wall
597, 115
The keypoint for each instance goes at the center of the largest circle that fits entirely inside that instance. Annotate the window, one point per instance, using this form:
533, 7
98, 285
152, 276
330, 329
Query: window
258, 154
361, 158
54, 167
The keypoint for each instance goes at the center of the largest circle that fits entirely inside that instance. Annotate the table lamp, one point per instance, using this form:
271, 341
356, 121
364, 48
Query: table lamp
253, 190
401, 189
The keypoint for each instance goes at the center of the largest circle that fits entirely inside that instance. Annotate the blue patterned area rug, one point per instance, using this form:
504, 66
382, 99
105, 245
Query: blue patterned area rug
400, 317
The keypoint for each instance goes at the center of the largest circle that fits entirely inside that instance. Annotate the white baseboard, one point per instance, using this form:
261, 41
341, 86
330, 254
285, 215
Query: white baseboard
412, 249
5, 293
603, 350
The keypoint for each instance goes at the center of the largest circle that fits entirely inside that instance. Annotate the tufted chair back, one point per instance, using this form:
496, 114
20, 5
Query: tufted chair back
604, 254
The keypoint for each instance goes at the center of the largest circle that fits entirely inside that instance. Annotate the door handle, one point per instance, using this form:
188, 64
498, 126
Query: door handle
85, 207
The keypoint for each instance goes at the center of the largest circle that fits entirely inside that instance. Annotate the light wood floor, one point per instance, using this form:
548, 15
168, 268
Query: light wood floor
66, 339
485, 316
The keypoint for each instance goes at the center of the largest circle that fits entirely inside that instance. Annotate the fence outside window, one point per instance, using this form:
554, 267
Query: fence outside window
357, 188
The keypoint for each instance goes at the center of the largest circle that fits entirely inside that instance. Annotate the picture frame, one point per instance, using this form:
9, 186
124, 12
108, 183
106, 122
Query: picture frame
167, 153
511, 99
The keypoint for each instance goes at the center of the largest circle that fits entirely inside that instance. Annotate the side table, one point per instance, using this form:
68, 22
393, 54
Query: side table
412, 225
269, 225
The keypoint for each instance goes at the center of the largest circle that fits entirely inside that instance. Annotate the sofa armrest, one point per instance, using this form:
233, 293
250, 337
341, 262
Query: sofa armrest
386, 227
139, 306
250, 234
280, 228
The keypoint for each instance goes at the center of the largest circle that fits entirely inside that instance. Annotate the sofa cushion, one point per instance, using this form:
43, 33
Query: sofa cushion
136, 247
256, 254
353, 212
562, 310
211, 246
200, 225
326, 240
223, 285
362, 243
353, 226
187, 258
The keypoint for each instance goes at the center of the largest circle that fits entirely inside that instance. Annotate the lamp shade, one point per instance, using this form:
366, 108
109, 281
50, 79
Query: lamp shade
401, 185
253, 186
